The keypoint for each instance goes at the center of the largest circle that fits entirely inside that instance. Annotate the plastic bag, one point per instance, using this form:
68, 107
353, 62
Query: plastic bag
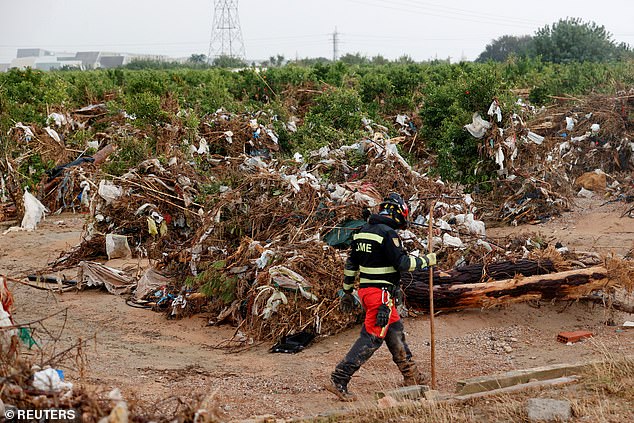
109, 191
117, 246
50, 380
34, 211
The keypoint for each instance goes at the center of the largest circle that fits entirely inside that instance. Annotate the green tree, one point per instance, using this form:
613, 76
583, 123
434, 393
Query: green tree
354, 59
379, 60
501, 48
197, 58
571, 40
228, 62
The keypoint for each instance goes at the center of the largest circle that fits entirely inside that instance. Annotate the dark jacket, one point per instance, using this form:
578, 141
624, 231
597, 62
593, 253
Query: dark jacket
378, 256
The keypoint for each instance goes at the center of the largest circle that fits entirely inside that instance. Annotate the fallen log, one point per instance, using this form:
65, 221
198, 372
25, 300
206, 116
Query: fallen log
572, 284
478, 272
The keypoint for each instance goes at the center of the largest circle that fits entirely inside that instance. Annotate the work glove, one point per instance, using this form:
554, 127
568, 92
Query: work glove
430, 259
346, 303
383, 315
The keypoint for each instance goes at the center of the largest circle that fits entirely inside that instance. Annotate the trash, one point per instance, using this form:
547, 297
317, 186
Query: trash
6, 336
494, 109
536, 138
50, 380
341, 235
570, 123
34, 211
286, 278
292, 344
117, 246
94, 274
109, 191
151, 280
585, 193
452, 241
478, 126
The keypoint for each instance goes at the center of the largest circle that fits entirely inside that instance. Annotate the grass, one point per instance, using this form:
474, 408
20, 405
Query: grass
605, 393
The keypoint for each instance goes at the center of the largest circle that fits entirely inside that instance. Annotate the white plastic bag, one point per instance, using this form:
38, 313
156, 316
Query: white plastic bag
109, 191
117, 246
49, 380
478, 127
34, 211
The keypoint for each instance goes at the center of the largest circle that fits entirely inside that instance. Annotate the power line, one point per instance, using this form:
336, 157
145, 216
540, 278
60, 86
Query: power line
414, 9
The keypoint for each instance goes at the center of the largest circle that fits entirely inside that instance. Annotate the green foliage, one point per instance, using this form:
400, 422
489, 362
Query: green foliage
228, 62
502, 48
335, 119
146, 107
330, 99
130, 152
33, 169
448, 107
214, 283
571, 40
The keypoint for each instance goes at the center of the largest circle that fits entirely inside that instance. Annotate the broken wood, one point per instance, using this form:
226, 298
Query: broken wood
572, 284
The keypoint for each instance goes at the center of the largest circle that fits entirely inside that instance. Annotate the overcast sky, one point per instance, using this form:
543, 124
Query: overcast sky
427, 29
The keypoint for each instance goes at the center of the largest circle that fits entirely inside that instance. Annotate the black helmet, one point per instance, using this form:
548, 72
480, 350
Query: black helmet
395, 206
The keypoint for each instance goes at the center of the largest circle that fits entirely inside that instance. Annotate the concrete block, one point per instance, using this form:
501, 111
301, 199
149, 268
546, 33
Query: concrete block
407, 392
548, 410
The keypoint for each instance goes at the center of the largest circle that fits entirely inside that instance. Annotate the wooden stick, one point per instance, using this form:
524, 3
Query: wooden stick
430, 239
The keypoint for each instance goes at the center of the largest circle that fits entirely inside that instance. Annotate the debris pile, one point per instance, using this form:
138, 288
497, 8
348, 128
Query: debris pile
544, 154
258, 240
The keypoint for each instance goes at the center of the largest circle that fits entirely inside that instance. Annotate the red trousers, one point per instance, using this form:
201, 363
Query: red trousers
371, 299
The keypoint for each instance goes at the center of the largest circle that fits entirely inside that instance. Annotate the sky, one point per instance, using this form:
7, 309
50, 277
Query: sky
423, 30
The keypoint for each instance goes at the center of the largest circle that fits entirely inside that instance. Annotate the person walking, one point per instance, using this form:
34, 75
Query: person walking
378, 257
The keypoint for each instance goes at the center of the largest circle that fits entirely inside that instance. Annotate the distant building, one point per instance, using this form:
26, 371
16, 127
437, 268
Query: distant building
33, 52
37, 58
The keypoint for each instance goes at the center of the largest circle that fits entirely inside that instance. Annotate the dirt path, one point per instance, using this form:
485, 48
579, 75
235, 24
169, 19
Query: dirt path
156, 360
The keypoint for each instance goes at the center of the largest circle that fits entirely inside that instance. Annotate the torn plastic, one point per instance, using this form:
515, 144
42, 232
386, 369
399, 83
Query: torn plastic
478, 127
109, 191
494, 109
452, 241
50, 380
53, 134
570, 123
289, 279
536, 138
117, 246
34, 211
203, 147
95, 274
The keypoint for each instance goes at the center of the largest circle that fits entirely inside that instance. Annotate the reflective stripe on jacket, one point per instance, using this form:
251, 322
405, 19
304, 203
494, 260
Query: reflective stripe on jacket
378, 256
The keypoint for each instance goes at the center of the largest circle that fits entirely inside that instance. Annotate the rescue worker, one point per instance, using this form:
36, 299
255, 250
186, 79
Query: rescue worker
378, 256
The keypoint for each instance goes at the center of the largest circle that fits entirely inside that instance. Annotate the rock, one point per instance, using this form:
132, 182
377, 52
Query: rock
387, 402
548, 410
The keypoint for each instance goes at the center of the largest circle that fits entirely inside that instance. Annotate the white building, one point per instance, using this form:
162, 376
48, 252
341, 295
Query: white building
41, 59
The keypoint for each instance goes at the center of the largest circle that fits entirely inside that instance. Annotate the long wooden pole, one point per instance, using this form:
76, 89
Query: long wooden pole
430, 239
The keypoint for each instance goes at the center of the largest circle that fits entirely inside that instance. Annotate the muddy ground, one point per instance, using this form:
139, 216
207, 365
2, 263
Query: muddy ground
156, 362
